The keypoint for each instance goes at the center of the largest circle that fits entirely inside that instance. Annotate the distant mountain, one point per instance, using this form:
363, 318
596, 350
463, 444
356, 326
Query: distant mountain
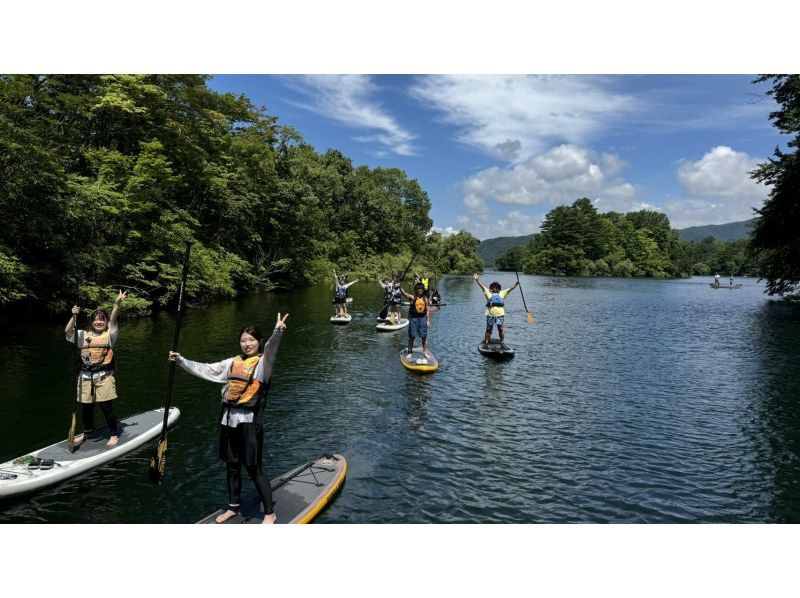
491, 249
732, 231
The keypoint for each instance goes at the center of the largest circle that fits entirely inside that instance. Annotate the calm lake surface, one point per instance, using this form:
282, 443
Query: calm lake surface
628, 401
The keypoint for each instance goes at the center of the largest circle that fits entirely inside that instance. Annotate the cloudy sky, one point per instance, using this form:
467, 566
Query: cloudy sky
496, 153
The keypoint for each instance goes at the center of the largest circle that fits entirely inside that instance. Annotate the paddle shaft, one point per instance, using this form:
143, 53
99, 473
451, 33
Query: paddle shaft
175, 339
404, 275
520, 292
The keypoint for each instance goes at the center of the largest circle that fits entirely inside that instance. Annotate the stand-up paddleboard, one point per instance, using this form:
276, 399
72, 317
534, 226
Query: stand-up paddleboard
298, 496
341, 319
417, 362
55, 463
725, 286
389, 327
494, 349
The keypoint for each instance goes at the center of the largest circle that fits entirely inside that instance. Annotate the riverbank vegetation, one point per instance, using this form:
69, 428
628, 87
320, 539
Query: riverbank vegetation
104, 177
577, 240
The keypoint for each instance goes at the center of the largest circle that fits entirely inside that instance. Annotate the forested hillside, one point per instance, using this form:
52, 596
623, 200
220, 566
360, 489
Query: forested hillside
104, 177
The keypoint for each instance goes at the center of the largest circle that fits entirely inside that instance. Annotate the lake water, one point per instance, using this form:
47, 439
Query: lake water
627, 401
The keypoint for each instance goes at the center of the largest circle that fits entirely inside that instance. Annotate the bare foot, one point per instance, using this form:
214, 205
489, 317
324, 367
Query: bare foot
112, 441
427, 355
78, 439
225, 516
271, 518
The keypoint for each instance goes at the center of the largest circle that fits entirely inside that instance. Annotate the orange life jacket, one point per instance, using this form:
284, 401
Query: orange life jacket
419, 305
242, 390
96, 352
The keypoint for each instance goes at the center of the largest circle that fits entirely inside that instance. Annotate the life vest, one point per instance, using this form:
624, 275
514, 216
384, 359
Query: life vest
425, 282
418, 306
242, 390
341, 291
397, 295
388, 291
495, 300
97, 355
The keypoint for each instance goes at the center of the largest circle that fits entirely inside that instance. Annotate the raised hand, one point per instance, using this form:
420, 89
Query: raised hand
281, 323
75, 310
121, 296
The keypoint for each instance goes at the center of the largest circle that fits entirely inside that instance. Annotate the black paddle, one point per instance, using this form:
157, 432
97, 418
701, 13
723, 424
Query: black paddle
158, 462
71, 434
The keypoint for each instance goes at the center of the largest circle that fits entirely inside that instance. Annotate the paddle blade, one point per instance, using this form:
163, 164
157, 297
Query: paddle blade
531, 319
158, 463
71, 434
384, 311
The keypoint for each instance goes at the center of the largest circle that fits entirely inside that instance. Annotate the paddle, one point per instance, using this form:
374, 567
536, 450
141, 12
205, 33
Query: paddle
158, 462
531, 319
71, 434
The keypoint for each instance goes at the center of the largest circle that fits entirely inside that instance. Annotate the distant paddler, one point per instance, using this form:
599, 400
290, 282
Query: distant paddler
716, 280
340, 294
495, 309
96, 382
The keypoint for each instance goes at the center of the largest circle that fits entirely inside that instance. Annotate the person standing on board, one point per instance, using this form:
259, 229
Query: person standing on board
495, 310
419, 318
246, 380
716, 280
730, 282
96, 380
340, 294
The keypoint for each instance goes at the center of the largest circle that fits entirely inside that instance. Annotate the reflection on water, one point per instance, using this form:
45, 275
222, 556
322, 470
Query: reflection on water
627, 401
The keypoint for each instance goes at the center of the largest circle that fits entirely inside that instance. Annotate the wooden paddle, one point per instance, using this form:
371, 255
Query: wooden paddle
531, 319
158, 462
71, 434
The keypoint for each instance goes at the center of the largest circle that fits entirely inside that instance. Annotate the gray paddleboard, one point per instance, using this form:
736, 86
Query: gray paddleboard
298, 495
493, 349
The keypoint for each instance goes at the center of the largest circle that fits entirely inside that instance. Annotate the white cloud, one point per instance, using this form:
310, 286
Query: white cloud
717, 189
514, 117
513, 224
350, 100
447, 231
722, 172
558, 176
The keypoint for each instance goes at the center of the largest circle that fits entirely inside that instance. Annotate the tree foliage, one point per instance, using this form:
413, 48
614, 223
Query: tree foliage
775, 238
104, 177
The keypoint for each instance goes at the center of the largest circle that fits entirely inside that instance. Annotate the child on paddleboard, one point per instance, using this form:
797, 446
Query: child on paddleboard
495, 311
246, 380
419, 318
96, 382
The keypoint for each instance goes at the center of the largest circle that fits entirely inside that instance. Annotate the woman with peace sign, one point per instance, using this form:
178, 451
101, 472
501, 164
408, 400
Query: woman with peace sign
246, 380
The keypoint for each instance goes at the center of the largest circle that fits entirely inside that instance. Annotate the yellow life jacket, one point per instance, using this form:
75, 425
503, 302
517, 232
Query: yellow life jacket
425, 282
242, 390
96, 352
419, 305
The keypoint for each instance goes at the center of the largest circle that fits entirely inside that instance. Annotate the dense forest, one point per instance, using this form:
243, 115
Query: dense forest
103, 178
577, 240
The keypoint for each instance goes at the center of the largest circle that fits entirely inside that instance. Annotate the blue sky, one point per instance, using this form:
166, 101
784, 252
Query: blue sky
495, 153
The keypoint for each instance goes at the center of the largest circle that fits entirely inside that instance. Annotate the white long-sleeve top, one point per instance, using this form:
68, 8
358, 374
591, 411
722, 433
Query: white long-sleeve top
218, 372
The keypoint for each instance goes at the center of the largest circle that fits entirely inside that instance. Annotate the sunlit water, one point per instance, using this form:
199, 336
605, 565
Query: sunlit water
627, 401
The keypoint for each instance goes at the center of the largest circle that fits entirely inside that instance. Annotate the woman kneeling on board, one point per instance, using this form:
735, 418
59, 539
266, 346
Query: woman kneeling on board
96, 381
241, 439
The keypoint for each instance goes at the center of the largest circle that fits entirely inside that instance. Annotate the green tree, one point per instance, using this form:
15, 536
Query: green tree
775, 234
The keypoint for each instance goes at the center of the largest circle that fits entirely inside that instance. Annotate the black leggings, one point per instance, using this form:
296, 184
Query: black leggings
235, 485
88, 417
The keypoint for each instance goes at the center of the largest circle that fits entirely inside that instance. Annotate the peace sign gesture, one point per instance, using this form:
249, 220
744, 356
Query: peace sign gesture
281, 323
121, 296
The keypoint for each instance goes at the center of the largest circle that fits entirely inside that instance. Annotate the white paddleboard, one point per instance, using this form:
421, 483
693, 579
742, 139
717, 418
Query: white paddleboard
134, 431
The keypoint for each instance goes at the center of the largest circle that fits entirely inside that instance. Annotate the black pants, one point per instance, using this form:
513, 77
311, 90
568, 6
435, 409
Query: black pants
235, 485
88, 417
